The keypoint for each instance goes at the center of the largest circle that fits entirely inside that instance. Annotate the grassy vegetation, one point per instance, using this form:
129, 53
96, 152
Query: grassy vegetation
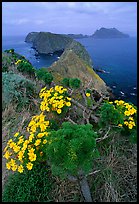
31, 186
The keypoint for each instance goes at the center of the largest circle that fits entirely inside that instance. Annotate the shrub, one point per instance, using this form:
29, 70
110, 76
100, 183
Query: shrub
43, 74
13, 90
31, 186
120, 114
26, 67
48, 78
65, 82
74, 83
4, 69
71, 149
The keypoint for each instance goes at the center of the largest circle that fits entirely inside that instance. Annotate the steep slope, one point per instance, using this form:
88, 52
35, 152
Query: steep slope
71, 65
31, 37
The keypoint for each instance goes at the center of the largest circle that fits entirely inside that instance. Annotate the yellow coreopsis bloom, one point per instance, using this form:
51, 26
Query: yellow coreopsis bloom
14, 167
7, 155
32, 157
8, 165
38, 141
88, 94
16, 134
127, 113
29, 165
20, 169
59, 111
68, 104
44, 141
120, 125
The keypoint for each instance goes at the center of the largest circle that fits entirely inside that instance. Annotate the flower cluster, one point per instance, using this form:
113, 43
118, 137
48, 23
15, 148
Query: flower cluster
54, 99
18, 61
128, 112
20, 152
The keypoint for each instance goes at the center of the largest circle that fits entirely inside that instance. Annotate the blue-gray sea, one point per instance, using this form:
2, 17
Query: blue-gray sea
117, 57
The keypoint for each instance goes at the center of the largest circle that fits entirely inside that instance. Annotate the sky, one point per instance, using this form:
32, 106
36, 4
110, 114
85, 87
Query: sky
20, 18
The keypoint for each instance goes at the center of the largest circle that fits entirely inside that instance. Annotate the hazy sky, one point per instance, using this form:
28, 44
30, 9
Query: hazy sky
20, 18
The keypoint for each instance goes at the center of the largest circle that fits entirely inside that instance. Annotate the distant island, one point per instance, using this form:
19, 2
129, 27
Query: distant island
109, 33
77, 36
102, 33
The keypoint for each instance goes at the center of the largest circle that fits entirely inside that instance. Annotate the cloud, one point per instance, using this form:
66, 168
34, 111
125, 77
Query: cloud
69, 17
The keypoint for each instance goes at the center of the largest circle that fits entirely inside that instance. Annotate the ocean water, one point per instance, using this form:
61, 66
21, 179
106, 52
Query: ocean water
117, 57
20, 46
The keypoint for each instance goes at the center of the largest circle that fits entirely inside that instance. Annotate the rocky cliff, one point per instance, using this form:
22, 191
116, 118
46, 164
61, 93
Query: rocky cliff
31, 37
46, 42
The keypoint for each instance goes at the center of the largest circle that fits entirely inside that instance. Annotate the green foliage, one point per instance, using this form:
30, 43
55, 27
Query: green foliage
65, 82
74, 83
26, 67
109, 115
10, 51
16, 89
31, 186
48, 78
71, 148
43, 74
88, 91
6, 62
4, 69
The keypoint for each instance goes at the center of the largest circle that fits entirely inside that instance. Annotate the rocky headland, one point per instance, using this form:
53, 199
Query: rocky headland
74, 62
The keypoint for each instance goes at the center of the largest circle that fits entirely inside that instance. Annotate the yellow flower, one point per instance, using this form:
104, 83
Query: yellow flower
120, 125
12, 144
20, 141
38, 141
14, 167
126, 122
88, 94
111, 102
16, 148
20, 155
40, 135
121, 102
127, 113
59, 111
131, 118
16, 134
5, 148
44, 141
20, 169
32, 157
29, 165
9, 142
7, 155
68, 104
42, 127
31, 150
130, 126
68, 98
12, 162
116, 101
8, 165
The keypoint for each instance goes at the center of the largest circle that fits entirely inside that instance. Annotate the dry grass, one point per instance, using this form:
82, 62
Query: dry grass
117, 180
